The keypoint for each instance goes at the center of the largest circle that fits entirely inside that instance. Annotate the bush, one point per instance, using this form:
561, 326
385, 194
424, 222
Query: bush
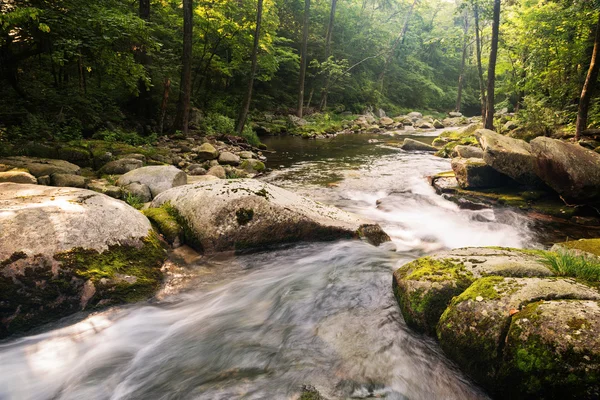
537, 117
565, 263
216, 124
121, 136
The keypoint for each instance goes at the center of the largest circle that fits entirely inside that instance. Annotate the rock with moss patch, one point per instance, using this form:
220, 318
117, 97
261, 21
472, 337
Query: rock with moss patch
424, 287
165, 220
68, 180
473, 328
139, 191
76, 155
42, 166
158, 178
17, 176
206, 152
415, 145
468, 151
211, 212
553, 351
65, 249
582, 246
252, 166
509, 156
228, 158
104, 187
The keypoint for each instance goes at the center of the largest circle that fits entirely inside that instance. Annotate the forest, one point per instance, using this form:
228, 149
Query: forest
75, 69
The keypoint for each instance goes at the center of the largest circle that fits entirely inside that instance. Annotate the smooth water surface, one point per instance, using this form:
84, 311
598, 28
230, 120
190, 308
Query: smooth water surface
320, 314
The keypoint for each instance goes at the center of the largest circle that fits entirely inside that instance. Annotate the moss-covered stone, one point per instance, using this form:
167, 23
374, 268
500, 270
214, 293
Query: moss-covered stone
76, 155
165, 222
591, 246
84, 279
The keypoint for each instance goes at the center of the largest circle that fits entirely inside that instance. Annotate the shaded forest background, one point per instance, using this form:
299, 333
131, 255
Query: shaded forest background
73, 68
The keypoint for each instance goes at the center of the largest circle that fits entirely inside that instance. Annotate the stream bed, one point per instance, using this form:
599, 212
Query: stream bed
267, 323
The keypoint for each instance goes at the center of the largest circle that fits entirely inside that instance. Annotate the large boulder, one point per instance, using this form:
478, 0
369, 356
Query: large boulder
158, 178
42, 166
472, 330
571, 170
228, 158
121, 166
415, 145
509, 156
465, 151
472, 173
63, 250
206, 152
424, 287
246, 213
68, 180
386, 121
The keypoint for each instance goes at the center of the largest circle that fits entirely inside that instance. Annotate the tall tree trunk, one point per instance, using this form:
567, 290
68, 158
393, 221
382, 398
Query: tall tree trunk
489, 114
145, 9
399, 39
588, 86
185, 89
461, 76
246, 107
479, 67
163, 106
323, 101
303, 58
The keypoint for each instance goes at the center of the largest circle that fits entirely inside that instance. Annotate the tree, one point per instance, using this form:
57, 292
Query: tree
246, 106
479, 66
489, 114
588, 86
145, 9
185, 90
303, 58
461, 75
323, 102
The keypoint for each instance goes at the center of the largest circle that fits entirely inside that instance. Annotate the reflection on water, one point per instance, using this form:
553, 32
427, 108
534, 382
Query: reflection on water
321, 314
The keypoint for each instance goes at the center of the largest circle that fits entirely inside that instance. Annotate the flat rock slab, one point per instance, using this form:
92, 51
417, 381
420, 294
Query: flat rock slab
424, 287
158, 178
246, 213
42, 166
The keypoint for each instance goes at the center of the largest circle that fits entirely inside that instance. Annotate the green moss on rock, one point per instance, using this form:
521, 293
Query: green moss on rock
591, 246
165, 222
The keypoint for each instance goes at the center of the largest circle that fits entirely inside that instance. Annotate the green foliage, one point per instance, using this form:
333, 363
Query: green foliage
566, 263
121, 136
537, 117
134, 201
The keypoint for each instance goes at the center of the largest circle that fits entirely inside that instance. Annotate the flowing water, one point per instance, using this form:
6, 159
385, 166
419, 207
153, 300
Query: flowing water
265, 324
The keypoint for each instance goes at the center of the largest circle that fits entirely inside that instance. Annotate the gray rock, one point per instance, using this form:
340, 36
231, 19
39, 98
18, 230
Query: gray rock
157, 178
414, 115
138, 190
196, 170
228, 158
468, 151
297, 121
437, 124
201, 178
509, 156
415, 145
571, 170
42, 166
217, 171
16, 176
473, 173
49, 237
68, 180
252, 166
136, 156
423, 124
455, 114
246, 154
206, 152
246, 213
386, 121
102, 186
44, 180
121, 166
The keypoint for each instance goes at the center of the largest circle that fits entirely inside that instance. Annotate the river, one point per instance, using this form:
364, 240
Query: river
267, 323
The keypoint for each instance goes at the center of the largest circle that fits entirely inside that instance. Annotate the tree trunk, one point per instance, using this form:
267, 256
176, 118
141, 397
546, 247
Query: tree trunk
489, 114
323, 101
461, 76
163, 106
246, 107
303, 59
399, 39
588, 86
479, 67
145, 9
183, 108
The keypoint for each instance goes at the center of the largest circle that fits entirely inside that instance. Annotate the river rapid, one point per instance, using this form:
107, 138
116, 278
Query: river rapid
267, 323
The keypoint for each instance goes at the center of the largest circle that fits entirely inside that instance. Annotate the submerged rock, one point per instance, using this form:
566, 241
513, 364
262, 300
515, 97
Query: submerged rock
156, 178
571, 170
415, 145
63, 250
245, 213
509, 156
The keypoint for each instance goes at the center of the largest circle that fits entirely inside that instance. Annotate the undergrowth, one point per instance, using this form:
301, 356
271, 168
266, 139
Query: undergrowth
576, 266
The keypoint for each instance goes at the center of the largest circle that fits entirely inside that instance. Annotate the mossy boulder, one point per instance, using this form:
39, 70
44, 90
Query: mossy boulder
472, 330
424, 287
63, 250
121, 166
552, 351
586, 246
245, 213
472, 173
165, 220
252, 166
76, 155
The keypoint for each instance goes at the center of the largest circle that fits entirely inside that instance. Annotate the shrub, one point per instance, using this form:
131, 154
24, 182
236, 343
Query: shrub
536, 116
121, 136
